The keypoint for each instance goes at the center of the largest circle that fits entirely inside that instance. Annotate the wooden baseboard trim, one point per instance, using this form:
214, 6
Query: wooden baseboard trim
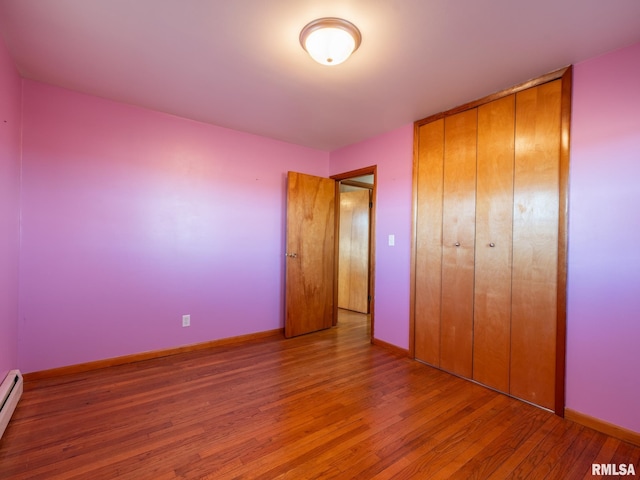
603, 427
390, 346
137, 357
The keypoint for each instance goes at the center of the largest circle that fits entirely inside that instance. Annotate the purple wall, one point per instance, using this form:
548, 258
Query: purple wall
393, 154
603, 346
132, 218
10, 118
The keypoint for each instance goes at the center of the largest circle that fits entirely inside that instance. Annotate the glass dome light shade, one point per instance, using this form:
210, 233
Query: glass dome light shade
330, 41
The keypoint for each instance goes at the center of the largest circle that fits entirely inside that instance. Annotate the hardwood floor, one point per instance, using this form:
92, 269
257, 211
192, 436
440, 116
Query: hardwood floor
324, 405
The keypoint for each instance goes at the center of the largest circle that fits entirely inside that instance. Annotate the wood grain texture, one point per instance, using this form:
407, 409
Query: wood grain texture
494, 223
279, 408
309, 290
604, 427
458, 243
413, 266
534, 82
540, 258
370, 170
428, 241
353, 255
535, 244
563, 240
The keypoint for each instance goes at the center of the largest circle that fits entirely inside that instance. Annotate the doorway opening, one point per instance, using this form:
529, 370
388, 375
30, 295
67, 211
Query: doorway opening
355, 244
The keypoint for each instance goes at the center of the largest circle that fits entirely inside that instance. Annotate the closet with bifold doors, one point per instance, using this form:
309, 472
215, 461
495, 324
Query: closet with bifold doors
488, 282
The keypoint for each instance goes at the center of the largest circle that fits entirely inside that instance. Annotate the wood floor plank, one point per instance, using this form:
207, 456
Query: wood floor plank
604, 455
329, 405
627, 454
498, 447
548, 454
580, 467
427, 458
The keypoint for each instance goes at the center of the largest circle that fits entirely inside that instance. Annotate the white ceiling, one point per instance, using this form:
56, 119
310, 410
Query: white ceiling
238, 63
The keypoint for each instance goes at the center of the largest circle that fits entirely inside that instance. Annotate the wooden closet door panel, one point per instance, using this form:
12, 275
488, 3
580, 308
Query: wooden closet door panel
458, 236
494, 222
535, 244
428, 272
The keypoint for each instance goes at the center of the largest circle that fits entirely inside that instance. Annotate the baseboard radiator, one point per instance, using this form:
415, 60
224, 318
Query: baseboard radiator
10, 393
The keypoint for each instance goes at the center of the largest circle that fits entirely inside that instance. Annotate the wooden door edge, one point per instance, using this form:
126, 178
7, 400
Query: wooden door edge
414, 242
561, 316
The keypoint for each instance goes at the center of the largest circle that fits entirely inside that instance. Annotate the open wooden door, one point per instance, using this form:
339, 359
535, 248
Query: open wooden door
310, 254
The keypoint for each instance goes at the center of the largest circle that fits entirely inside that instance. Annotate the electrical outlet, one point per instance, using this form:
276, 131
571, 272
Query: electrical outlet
186, 320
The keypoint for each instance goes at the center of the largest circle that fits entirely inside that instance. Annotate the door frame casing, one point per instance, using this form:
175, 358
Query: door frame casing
371, 170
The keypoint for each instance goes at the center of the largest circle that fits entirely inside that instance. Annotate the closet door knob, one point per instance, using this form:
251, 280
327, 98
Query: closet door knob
492, 244
457, 244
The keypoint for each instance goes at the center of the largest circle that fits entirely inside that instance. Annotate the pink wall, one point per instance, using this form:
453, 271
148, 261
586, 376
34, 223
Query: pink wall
10, 118
392, 152
132, 218
603, 347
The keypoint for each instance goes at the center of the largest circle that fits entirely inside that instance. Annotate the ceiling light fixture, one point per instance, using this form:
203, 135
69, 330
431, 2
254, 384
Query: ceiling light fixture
330, 41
